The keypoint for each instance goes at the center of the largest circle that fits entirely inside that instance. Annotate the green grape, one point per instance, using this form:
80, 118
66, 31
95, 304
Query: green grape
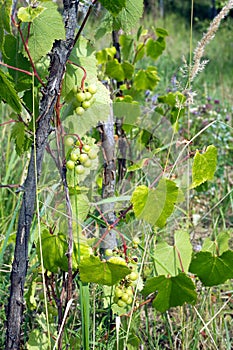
92, 88
92, 154
70, 164
69, 141
118, 292
74, 156
129, 301
79, 110
121, 303
86, 148
80, 97
133, 276
86, 104
83, 158
75, 89
87, 164
79, 169
125, 297
88, 96
129, 291
108, 252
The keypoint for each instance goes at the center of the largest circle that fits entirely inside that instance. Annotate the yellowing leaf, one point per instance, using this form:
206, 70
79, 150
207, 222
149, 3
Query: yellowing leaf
204, 166
28, 14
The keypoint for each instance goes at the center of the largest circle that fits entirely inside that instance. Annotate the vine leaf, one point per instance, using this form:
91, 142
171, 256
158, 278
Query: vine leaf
211, 269
146, 79
28, 14
171, 260
8, 93
129, 15
204, 166
5, 20
45, 29
18, 134
217, 246
171, 292
108, 273
155, 205
155, 48
113, 6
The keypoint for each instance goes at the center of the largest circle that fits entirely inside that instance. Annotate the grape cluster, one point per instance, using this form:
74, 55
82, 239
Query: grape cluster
84, 98
80, 156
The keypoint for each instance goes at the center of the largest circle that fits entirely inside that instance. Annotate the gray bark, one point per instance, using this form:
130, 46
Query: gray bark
59, 55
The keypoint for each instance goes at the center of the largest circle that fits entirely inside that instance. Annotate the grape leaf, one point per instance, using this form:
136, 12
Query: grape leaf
155, 205
18, 134
217, 246
45, 29
146, 79
28, 14
161, 32
5, 21
212, 270
129, 16
155, 48
174, 291
127, 44
113, 6
204, 166
114, 70
102, 272
129, 111
8, 93
171, 260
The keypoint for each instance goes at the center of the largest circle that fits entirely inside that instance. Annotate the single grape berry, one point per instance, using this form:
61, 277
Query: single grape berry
125, 297
88, 96
70, 165
81, 96
79, 169
121, 303
118, 292
87, 164
83, 158
133, 276
92, 88
108, 252
86, 148
86, 104
69, 141
74, 156
79, 110
92, 154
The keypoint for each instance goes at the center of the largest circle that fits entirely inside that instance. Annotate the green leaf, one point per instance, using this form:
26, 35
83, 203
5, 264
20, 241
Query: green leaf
217, 246
114, 70
212, 270
161, 32
8, 93
102, 272
54, 248
129, 16
28, 14
146, 79
204, 166
129, 111
174, 291
5, 21
171, 260
139, 165
155, 48
45, 29
126, 43
172, 98
18, 134
113, 6
155, 206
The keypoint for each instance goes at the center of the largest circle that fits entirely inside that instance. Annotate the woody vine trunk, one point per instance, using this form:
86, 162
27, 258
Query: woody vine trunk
58, 58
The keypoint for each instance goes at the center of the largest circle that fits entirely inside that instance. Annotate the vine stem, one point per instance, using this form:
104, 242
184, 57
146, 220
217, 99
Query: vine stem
25, 44
84, 74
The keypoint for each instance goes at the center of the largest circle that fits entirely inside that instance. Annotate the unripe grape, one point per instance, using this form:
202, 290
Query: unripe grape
88, 96
92, 88
129, 301
92, 154
79, 110
83, 158
133, 276
121, 303
108, 252
86, 104
86, 148
69, 141
70, 165
125, 297
79, 169
118, 292
74, 156
129, 291
80, 96
87, 164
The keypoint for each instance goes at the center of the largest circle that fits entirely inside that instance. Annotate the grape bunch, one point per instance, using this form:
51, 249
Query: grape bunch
84, 98
80, 155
